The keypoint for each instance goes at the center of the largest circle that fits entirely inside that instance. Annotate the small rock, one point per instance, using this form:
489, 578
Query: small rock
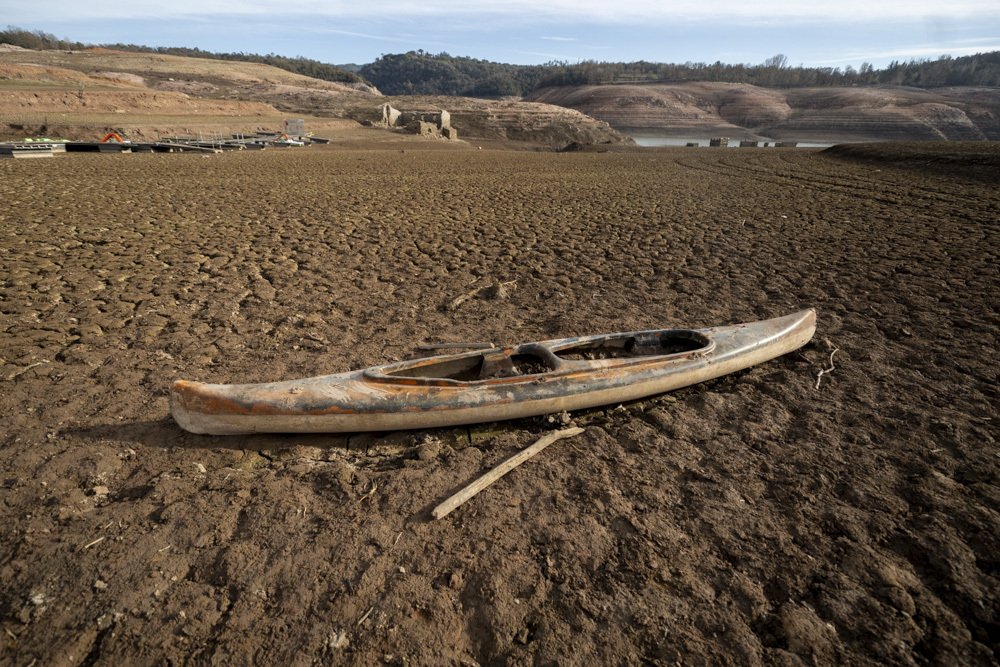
562, 418
498, 291
100, 490
37, 599
429, 450
201, 468
900, 599
100, 585
338, 640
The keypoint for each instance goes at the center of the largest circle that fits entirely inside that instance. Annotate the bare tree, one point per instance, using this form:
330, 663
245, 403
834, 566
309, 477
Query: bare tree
779, 61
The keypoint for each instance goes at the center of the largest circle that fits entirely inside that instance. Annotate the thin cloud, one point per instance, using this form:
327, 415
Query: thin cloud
558, 39
918, 52
623, 11
360, 35
560, 57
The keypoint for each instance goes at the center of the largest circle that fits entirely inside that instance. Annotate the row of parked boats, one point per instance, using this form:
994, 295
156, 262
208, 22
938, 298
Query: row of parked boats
113, 143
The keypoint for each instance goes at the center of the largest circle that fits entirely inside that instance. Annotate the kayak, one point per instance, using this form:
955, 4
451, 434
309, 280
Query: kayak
489, 385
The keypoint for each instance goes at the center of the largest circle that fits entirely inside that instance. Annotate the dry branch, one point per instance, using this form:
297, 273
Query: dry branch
450, 505
824, 371
24, 370
459, 300
499, 290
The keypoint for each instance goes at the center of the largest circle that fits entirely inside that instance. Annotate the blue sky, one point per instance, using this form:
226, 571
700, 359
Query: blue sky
834, 34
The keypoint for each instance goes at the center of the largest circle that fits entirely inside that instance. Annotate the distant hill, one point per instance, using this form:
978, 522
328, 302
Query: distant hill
947, 98
312, 68
977, 70
87, 92
955, 113
421, 73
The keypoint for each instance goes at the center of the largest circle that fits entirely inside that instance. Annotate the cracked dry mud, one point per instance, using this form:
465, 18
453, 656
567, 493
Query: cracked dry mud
754, 519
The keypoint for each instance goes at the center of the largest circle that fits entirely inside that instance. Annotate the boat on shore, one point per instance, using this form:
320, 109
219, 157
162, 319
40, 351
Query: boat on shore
489, 385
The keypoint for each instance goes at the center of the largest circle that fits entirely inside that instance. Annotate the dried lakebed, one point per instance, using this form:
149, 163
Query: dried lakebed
753, 519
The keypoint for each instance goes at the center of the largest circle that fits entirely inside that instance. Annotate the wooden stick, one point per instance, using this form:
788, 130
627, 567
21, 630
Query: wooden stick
24, 370
450, 505
459, 300
367, 614
97, 541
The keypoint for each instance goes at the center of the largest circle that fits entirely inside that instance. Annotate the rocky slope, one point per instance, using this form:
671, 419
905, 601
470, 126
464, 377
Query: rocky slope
170, 73
500, 120
740, 110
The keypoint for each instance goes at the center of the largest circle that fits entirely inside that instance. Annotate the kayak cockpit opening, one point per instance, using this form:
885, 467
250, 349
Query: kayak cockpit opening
533, 359
646, 344
487, 365
462, 369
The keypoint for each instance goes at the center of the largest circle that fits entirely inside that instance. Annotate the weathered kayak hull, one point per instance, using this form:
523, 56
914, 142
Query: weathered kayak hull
437, 392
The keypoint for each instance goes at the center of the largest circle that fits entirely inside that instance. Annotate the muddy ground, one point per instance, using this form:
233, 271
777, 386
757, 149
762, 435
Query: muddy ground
755, 519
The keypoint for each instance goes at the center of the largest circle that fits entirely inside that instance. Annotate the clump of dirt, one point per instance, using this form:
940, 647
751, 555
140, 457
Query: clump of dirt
772, 516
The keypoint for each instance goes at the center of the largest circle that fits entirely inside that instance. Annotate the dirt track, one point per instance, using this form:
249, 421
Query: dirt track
752, 519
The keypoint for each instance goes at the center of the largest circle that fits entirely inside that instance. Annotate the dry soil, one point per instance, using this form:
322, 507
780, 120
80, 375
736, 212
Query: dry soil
767, 517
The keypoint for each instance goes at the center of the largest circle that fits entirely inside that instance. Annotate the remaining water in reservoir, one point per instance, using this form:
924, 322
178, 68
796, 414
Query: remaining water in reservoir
651, 140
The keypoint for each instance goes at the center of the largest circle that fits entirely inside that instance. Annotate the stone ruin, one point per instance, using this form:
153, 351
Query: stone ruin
390, 116
424, 123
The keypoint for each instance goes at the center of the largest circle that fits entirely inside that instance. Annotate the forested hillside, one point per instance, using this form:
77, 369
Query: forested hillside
422, 73
418, 72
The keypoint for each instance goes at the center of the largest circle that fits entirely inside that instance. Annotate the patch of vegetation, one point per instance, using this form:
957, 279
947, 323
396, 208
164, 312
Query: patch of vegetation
27, 39
421, 73
979, 70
